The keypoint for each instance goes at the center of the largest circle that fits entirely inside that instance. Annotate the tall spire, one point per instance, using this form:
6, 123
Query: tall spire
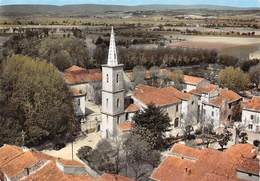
112, 56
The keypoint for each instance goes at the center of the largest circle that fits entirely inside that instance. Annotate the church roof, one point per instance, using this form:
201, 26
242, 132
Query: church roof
159, 96
132, 108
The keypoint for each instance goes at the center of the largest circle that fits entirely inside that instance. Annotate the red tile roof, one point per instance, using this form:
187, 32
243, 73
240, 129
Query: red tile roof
14, 160
159, 96
204, 89
71, 163
210, 164
188, 79
186, 150
125, 126
112, 177
52, 172
225, 96
253, 104
132, 108
77, 75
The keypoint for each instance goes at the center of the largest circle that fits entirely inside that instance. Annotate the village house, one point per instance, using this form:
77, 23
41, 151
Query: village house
251, 114
204, 93
193, 82
184, 163
23, 164
177, 104
221, 109
87, 80
85, 85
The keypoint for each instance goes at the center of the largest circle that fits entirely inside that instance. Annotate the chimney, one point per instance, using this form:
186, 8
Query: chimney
188, 171
27, 170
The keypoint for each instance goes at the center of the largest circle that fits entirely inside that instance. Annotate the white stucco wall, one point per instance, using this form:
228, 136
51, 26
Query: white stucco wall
109, 124
189, 87
112, 100
212, 113
254, 121
80, 105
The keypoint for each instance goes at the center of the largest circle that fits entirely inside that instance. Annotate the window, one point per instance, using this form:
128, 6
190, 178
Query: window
107, 102
229, 117
252, 117
177, 108
107, 78
117, 77
78, 102
117, 103
250, 126
117, 120
212, 113
192, 102
176, 123
229, 106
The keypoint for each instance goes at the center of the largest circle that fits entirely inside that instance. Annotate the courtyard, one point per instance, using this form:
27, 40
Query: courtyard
90, 139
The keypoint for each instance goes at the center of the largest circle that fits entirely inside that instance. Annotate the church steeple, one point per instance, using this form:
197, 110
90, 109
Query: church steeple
113, 93
112, 55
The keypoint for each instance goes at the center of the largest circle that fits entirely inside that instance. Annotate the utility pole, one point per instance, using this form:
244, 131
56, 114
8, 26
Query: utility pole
23, 135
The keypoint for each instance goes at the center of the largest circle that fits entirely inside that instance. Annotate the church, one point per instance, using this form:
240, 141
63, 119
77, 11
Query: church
113, 93
116, 115
199, 99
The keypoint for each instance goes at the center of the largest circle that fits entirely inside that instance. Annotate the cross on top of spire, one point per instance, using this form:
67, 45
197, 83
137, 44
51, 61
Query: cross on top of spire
112, 55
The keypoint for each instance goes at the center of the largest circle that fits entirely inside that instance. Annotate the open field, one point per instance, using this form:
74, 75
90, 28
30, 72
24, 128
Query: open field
220, 39
235, 46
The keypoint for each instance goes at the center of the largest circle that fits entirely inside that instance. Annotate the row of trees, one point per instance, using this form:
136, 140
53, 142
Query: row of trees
62, 52
238, 80
36, 105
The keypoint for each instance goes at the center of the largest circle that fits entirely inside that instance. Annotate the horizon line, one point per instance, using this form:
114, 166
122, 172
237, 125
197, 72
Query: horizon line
130, 5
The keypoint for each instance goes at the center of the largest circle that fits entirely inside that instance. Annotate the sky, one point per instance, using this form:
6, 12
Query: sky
236, 3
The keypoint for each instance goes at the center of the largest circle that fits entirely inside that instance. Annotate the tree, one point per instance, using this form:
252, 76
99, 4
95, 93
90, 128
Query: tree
165, 79
234, 78
178, 79
138, 76
254, 73
63, 52
243, 137
36, 100
84, 152
228, 60
156, 121
154, 72
224, 138
140, 157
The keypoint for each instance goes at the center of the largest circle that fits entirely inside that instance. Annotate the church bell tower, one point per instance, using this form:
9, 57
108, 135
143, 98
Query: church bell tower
112, 93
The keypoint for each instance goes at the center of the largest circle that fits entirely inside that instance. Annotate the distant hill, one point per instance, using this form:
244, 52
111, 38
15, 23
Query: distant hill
93, 9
